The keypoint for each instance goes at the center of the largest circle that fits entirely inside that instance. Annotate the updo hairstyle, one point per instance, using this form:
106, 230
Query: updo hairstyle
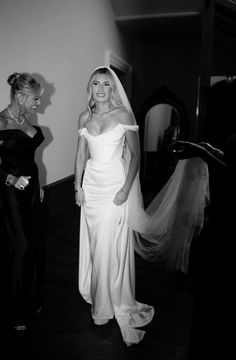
22, 82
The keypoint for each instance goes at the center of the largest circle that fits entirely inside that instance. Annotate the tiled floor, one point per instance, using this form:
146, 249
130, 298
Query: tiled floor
64, 331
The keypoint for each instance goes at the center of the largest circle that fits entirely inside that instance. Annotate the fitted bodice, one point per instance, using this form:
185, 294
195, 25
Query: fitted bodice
107, 146
17, 150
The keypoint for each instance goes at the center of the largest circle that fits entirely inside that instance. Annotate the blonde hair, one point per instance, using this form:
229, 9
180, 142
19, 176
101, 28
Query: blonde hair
115, 98
24, 83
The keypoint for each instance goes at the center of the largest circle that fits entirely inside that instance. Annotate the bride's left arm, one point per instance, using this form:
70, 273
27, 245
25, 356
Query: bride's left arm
132, 141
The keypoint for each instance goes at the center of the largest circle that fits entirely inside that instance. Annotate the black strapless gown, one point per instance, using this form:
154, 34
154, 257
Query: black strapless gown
21, 225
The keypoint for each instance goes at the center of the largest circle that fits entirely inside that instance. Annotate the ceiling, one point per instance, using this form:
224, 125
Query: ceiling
140, 8
146, 20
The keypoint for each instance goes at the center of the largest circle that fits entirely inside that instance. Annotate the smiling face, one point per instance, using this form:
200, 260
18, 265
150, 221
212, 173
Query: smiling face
101, 88
31, 102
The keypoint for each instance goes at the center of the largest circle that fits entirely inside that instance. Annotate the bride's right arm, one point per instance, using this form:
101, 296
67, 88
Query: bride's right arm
80, 163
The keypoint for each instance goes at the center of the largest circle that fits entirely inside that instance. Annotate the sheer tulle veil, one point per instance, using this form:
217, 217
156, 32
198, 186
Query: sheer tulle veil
164, 230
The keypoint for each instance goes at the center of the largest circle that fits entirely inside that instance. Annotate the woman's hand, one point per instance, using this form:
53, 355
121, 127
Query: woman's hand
21, 182
214, 151
186, 149
79, 197
120, 197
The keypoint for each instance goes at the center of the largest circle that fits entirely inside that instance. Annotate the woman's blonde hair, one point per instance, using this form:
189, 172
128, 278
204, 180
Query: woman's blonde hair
115, 98
24, 83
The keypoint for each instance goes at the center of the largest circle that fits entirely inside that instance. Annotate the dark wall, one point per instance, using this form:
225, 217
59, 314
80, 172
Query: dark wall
221, 111
170, 62
224, 52
59, 203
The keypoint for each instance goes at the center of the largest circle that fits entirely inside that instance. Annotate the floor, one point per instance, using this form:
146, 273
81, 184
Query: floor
63, 329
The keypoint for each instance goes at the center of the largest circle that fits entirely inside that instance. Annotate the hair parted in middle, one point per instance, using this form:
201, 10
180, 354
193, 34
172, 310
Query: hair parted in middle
115, 98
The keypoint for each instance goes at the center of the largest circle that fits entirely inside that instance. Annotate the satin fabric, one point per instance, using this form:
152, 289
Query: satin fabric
106, 256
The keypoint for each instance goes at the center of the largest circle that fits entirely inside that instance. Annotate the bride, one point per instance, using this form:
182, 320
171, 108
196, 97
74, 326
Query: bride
113, 221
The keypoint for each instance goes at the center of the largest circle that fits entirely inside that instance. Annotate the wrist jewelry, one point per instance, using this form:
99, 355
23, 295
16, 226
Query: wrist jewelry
125, 192
77, 187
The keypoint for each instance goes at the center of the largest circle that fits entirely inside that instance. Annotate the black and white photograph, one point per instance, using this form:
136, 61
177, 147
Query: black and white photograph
117, 175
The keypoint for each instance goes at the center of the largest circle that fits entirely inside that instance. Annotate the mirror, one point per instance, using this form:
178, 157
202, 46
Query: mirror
162, 126
162, 121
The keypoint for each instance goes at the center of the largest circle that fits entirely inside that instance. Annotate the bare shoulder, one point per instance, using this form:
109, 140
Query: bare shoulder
83, 118
125, 117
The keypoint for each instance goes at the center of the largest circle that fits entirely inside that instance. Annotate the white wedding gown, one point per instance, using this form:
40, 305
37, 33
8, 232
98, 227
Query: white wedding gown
106, 256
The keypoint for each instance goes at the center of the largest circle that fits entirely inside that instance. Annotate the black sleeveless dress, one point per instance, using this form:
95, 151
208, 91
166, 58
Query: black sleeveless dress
20, 225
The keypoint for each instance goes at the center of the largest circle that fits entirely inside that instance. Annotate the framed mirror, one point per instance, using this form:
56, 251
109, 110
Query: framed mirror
162, 120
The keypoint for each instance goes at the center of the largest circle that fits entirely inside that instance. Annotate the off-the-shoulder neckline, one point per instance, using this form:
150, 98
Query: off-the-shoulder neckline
31, 137
105, 132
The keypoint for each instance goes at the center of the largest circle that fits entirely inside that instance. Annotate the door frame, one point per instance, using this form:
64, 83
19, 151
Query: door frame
116, 62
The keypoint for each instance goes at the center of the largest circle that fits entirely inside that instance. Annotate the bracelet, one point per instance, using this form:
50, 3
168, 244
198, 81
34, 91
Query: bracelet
7, 181
125, 192
77, 187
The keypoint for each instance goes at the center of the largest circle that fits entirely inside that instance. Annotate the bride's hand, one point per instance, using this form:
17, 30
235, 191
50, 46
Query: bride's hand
79, 197
120, 198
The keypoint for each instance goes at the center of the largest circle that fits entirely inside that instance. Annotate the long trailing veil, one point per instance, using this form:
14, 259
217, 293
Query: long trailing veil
164, 230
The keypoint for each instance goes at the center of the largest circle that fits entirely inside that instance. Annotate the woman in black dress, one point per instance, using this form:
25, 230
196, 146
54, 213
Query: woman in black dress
21, 200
